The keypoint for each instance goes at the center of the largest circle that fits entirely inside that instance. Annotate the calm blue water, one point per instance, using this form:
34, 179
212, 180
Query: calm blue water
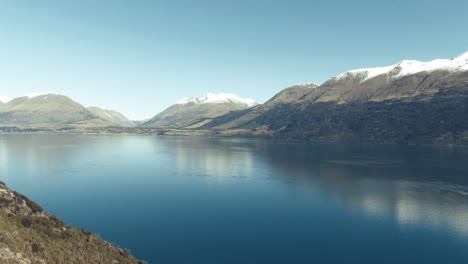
204, 200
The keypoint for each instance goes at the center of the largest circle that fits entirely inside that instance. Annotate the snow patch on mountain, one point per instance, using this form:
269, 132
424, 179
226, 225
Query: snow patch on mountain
219, 98
4, 99
409, 67
32, 95
365, 74
306, 84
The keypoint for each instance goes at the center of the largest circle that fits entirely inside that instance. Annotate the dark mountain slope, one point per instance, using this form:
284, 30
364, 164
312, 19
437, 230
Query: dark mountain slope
410, 102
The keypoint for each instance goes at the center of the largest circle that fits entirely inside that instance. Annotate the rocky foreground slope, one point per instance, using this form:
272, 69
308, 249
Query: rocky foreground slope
29, 235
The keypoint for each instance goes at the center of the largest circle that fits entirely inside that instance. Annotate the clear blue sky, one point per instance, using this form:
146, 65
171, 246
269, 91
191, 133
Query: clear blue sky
139, 57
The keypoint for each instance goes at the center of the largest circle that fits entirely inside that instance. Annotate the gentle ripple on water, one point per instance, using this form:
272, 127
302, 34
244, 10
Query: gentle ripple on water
215, 200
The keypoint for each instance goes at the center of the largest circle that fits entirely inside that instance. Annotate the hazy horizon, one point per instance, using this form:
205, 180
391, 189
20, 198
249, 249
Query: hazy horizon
139, 58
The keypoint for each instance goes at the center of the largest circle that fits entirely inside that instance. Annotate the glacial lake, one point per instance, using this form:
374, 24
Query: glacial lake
226, 200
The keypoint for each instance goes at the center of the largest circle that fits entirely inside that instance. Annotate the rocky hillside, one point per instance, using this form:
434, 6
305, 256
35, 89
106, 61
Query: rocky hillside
194, 112
237, 119
29, 235
409, 102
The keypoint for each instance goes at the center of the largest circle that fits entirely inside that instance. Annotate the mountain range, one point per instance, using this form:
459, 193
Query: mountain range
54, 110
408, 102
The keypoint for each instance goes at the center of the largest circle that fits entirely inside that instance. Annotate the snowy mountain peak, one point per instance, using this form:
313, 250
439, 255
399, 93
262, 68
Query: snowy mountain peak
409, 67
4, 99
364, 74
212, 98
462, 57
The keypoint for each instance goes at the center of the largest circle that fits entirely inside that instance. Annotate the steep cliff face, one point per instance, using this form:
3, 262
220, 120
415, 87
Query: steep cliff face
30, 235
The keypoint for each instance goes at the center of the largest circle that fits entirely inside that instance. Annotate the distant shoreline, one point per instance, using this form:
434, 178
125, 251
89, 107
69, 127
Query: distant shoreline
229, 133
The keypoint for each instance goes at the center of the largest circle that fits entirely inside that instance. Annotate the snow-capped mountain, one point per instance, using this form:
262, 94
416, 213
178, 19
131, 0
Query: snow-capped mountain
408, 79
411, 101
409, 67
219, 98
193, 112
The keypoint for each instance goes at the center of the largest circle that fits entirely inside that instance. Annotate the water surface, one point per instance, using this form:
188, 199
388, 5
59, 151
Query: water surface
214, 200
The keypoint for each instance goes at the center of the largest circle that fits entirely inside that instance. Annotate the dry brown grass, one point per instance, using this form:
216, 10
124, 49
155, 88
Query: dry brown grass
29, 235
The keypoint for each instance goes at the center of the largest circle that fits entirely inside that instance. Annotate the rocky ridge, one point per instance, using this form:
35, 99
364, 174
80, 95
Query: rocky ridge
407, 103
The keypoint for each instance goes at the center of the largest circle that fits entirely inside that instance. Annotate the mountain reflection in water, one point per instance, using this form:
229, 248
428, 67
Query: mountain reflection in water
252, 196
